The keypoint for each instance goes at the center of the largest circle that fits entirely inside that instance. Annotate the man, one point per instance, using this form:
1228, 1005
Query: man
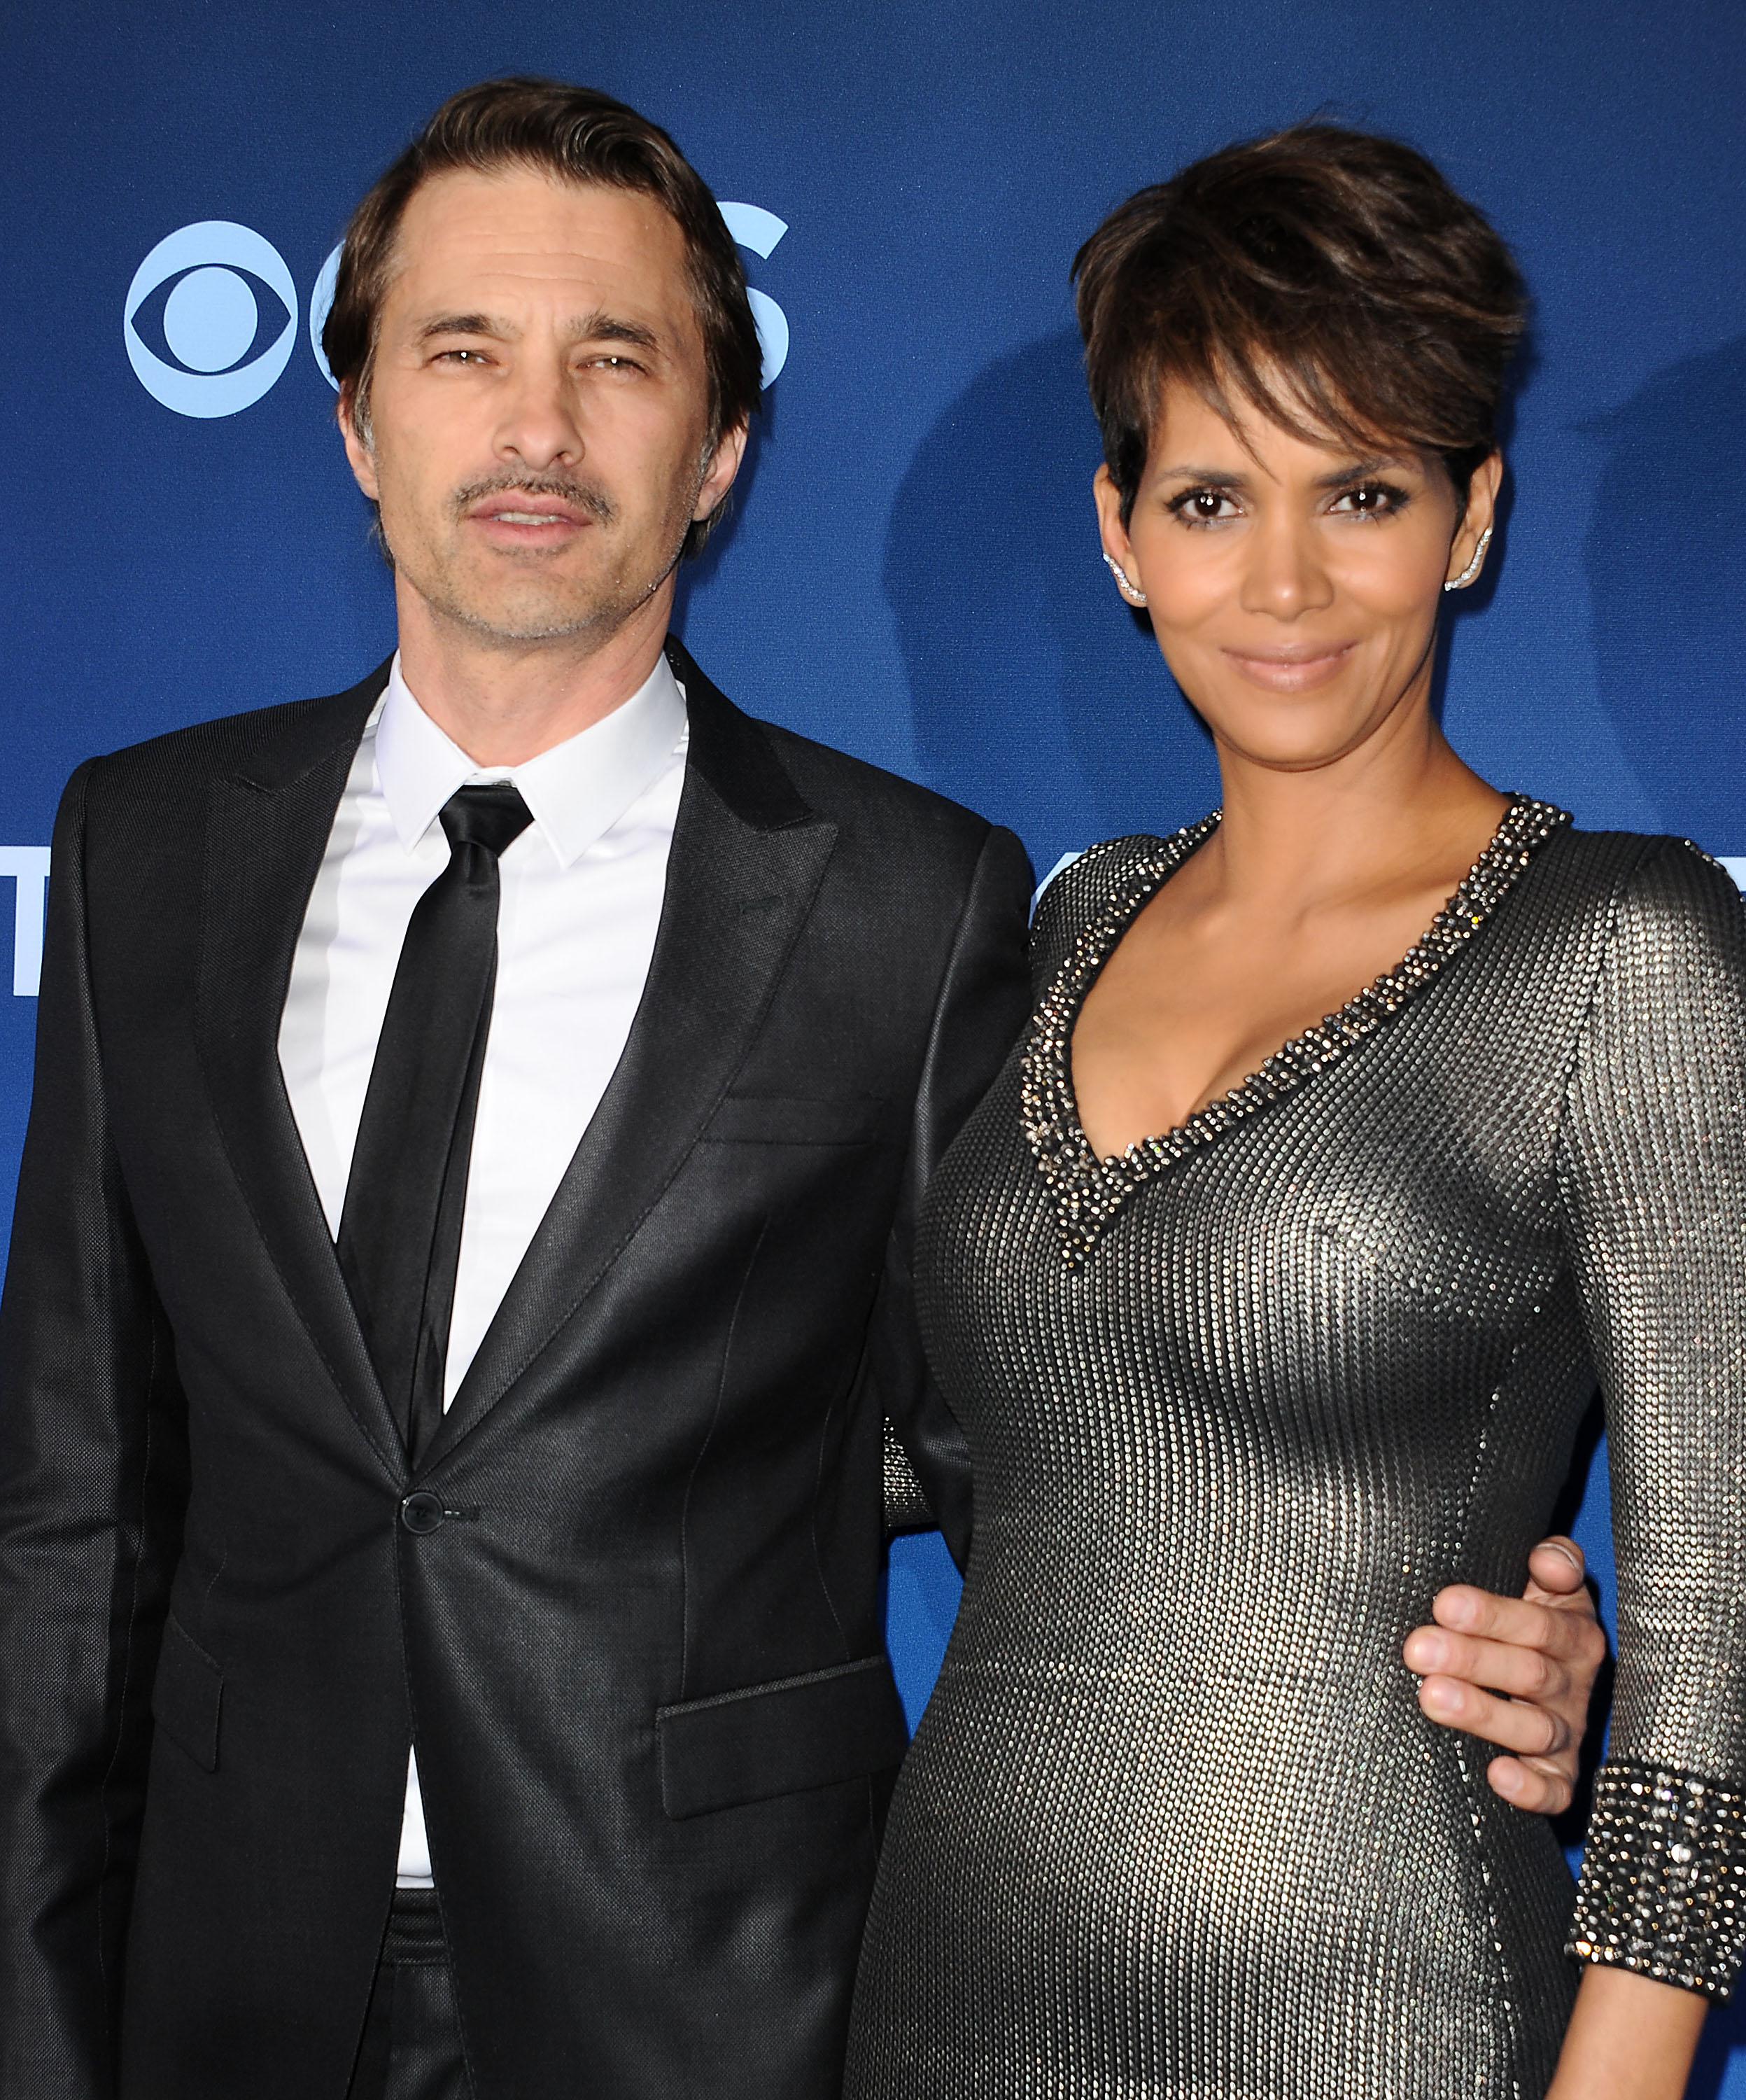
460, 1269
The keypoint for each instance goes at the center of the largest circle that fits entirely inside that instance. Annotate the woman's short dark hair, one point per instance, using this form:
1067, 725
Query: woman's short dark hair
1329, 279
575, 134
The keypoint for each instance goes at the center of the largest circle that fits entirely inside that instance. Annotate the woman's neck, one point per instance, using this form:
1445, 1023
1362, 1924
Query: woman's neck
1402, 803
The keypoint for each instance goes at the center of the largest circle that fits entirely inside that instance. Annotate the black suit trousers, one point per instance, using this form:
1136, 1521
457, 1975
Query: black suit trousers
412, 2048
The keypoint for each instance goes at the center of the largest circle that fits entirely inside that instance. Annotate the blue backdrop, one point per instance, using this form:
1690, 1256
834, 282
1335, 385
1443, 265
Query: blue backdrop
912, 572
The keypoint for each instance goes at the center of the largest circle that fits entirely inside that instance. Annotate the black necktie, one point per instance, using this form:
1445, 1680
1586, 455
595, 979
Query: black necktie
399, 1237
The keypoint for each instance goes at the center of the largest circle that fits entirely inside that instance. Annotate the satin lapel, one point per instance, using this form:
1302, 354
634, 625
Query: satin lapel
266, 830
748, 857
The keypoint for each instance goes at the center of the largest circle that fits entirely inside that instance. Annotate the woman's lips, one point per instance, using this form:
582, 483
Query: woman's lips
1293, 670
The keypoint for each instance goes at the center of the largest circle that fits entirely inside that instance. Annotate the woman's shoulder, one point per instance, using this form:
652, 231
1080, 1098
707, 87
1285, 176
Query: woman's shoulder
1081, 886
1640, 879
1634, 906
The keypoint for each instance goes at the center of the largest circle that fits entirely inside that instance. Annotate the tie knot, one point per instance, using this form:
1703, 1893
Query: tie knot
493, 817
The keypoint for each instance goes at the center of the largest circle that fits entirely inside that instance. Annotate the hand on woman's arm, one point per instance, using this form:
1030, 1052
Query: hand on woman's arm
1628, 2038
1518, 1673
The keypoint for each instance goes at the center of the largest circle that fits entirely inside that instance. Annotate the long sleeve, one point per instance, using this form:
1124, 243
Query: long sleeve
984, 999
1652, 1167
92, 1484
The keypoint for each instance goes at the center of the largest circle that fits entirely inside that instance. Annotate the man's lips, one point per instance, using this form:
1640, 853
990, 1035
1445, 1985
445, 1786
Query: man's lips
1292, 667
520, 516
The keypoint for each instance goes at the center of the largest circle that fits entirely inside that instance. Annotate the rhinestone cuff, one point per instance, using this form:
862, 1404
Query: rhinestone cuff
1663, 1879
907, 1505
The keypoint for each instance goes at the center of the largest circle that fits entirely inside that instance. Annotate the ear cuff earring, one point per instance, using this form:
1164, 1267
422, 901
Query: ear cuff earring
1122, 583
1472, 569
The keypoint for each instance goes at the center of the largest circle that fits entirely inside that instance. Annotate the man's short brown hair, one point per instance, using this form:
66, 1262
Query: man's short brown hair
575, 134
1329, 279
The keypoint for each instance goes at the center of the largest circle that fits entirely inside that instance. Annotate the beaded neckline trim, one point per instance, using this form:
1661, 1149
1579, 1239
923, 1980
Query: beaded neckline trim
1088, 1191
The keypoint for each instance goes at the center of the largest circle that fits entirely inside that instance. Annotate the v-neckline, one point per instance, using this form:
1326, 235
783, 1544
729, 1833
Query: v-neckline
1088, 1190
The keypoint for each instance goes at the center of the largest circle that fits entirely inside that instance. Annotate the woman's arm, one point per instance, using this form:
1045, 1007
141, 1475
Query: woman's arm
1652, 1174
1628, 2038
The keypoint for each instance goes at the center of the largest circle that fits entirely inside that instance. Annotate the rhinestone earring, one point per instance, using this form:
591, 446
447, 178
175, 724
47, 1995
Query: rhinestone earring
1472, 569
1122, 583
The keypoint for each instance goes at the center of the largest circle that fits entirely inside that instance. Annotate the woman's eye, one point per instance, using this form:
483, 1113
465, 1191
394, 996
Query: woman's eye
1370, 499
1202, 506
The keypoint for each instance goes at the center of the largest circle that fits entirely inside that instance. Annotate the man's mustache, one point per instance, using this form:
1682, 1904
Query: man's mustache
595, 502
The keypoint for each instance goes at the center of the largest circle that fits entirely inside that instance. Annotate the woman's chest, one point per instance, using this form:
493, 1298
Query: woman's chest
1402, 1200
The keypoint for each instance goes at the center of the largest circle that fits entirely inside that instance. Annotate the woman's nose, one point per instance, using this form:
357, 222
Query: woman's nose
1285, 575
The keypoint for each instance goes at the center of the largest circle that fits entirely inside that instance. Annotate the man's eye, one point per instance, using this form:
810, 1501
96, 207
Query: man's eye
460, 356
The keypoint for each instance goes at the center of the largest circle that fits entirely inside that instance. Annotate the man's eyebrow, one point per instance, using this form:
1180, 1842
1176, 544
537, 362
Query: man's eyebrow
597, 327
459, 324
601, 326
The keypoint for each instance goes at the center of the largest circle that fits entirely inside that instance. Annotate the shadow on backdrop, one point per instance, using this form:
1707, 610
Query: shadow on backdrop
1665, 551
1037, 697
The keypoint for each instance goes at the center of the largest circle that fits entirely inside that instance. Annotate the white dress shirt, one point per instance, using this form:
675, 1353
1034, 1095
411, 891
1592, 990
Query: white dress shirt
581, 892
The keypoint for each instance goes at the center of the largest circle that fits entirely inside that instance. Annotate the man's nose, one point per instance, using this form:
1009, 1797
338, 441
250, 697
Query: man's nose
1285, 575
540, 425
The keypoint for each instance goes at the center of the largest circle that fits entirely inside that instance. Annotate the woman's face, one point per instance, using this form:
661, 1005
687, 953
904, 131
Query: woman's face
1294, 587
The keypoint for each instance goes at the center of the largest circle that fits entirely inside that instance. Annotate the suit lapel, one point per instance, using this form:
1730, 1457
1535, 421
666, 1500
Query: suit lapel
268, 825
746, 859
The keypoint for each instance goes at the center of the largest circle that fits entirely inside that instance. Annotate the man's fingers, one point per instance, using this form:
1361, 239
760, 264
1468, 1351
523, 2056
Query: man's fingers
1557, 1629
1557, 1565
1540, 1652
1511, 1724
1524, 1673
1524, 1783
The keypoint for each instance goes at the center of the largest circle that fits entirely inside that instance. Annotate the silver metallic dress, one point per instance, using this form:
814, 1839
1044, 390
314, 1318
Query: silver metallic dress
1239, 1403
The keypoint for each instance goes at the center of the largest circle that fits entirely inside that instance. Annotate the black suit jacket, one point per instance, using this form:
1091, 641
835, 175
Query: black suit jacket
636, 1640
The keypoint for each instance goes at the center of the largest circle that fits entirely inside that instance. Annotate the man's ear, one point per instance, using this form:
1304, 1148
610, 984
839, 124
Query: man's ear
358, 449
718, 476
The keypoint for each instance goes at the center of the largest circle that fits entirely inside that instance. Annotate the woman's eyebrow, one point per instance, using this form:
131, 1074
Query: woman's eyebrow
1357, 469
1205, 477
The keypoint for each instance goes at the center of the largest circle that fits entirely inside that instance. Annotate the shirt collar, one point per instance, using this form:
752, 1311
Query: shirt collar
577, 791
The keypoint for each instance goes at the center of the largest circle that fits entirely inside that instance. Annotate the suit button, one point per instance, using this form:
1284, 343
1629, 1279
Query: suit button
422, 1511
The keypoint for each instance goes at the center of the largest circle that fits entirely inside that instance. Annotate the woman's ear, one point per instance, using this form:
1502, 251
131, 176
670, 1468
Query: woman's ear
1118, 549
1107, 498
1477, 519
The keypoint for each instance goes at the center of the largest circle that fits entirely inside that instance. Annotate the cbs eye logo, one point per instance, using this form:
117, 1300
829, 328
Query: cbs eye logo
210, 318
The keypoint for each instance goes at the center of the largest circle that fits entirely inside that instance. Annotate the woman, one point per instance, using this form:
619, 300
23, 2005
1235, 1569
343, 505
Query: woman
1277, 1260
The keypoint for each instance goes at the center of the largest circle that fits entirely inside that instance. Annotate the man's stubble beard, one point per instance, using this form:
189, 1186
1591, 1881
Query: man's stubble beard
607, 603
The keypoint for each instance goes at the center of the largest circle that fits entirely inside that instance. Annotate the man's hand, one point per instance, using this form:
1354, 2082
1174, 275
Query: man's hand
1540, 1652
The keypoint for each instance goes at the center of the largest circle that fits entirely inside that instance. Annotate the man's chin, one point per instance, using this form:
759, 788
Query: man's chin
524, 622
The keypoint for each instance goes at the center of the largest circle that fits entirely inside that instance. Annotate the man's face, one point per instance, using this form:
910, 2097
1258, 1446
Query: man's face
539, 406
